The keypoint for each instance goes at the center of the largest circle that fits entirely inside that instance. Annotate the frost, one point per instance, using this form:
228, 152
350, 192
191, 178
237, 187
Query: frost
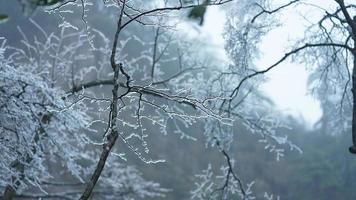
51, 115
42, 125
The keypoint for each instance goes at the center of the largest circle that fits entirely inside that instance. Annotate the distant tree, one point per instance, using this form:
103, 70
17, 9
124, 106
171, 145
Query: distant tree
328, 48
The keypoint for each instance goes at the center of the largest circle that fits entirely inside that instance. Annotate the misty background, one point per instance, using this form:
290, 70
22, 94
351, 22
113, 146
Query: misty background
324, 169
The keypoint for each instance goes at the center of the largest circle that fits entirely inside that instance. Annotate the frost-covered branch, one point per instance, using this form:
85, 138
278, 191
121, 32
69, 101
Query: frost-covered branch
287, 55
112, 136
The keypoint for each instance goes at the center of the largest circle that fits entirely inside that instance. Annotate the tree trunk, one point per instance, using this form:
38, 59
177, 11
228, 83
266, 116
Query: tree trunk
352, 149
9, 193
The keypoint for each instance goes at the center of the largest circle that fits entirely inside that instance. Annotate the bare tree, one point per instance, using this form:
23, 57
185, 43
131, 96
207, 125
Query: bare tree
328, 47
55, 89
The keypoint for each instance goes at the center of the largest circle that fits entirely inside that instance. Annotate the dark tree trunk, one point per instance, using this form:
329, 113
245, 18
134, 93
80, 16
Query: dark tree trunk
9, 193
352, 149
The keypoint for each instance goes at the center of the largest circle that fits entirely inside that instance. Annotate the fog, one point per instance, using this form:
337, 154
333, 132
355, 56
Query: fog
175, 105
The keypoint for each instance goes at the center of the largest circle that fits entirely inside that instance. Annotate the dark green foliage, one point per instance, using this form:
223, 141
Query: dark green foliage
46, 2
198, 12
3, 18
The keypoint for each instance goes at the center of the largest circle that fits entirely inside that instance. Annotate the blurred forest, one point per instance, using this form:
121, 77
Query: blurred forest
323, 170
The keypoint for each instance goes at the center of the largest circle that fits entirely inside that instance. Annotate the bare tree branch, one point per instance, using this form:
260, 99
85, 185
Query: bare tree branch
271, 11
170, 9
113, 135
287, 55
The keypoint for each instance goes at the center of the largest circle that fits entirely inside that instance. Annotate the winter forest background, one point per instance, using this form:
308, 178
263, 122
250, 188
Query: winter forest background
117, 99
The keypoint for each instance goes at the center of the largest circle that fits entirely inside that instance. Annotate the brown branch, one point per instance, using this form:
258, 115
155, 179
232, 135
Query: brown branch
90, 84
229, 173
271, 11
169, 9
176, 75
348, 18
154, 61
335, 15
113, 135
287, 55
